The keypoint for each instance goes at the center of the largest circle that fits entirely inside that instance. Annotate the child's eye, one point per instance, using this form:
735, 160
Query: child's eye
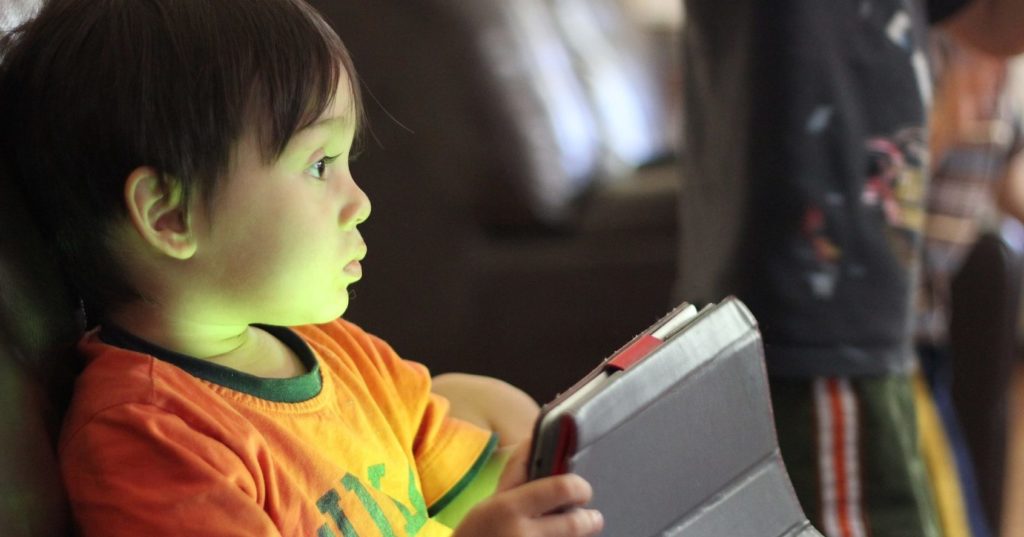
319, 168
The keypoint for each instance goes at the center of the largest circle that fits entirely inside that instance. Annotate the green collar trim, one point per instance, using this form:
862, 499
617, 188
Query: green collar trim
290, 390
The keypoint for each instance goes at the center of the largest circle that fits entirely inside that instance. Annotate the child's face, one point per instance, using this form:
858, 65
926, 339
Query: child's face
281, 245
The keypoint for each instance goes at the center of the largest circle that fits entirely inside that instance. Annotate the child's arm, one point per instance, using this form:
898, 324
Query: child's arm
538, 508
499, 502
489, 403
551, 506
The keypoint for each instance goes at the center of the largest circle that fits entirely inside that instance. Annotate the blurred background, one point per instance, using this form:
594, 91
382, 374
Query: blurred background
522, 157
521, 160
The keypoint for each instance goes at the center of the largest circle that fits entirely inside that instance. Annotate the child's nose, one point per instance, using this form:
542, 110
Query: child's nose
357, 210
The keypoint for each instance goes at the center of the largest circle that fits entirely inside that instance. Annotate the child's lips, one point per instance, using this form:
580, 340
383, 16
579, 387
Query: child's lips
354, 268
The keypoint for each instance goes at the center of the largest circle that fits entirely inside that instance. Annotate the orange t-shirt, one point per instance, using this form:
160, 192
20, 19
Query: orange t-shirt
178, 446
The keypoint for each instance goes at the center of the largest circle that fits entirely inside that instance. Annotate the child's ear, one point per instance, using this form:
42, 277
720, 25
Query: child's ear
157, 211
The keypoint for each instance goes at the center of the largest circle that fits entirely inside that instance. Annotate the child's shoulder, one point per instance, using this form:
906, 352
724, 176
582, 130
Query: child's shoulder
343, 344
114, 377
115, 374
344, 337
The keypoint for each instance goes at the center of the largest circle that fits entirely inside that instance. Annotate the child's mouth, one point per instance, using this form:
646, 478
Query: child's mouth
354, 268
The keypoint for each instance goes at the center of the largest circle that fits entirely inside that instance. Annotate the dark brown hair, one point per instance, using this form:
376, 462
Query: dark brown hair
92, 89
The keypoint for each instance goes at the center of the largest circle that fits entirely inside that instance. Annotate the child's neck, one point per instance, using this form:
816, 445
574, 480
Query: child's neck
241, 347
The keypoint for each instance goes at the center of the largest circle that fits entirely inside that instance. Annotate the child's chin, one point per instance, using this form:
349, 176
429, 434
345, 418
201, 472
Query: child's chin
331, 314
321, 316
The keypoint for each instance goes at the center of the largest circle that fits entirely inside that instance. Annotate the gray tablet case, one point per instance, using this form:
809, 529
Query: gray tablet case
676, 435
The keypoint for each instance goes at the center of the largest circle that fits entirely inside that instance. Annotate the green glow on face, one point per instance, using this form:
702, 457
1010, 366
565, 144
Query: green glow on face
282, 245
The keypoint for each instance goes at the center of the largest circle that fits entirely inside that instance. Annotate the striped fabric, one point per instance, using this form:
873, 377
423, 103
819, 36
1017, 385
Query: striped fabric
940, 460
851, 448
838, 430
960, 201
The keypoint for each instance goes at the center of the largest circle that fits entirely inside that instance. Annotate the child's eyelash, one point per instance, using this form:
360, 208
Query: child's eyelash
321, 165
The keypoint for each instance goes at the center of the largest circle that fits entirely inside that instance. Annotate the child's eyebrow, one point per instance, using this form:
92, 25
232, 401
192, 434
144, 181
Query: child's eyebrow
310, 135
323, 123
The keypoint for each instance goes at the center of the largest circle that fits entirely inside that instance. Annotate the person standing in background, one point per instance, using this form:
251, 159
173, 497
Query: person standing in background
976, 142
804, 186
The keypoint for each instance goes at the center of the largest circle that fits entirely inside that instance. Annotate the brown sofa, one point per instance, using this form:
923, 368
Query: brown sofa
524, 216
39, 321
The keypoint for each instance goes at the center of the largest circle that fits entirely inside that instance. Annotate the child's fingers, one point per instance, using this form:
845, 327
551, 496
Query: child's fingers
546, 507
575, 522
553, 493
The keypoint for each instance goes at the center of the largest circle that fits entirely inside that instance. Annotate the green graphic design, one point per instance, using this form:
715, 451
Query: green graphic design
353, 484
375, 473
328, 505
415, 519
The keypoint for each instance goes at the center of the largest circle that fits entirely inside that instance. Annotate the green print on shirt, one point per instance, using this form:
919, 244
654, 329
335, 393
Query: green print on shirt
330, 504
415, 519
353, 484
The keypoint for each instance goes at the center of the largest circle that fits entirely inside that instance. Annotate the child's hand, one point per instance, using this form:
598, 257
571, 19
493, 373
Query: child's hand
535, 509
548, 507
